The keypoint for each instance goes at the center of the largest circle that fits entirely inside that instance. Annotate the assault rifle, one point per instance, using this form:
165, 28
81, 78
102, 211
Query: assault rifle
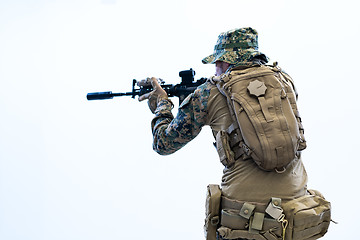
181, 90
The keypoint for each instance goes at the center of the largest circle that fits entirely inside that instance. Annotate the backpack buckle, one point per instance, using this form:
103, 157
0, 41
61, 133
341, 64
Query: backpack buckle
247, 150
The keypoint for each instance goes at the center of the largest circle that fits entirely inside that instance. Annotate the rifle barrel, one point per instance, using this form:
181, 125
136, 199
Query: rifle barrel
99, 95
107, 95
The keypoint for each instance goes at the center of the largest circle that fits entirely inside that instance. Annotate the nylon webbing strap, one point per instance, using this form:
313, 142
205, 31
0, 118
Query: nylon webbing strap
265, 109
234, 204
274, 208
234, 129
231, 128
219, 85
257, 221
233, 132
270, 236
238, 152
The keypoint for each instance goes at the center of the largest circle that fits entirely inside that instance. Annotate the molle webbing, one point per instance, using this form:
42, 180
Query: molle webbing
235, 140
250, 220
227, 203
228, 145
303, 218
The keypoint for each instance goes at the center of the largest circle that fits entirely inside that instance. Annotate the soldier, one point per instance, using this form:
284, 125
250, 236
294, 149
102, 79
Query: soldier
246, 188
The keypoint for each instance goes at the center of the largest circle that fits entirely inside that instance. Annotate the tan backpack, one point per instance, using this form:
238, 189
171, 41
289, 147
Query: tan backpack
266, 122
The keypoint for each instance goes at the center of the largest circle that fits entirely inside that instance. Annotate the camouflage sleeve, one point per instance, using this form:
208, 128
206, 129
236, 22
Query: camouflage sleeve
169, 133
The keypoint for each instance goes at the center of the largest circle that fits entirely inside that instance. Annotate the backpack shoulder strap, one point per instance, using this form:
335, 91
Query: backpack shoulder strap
275, 67
233, 131
219, 81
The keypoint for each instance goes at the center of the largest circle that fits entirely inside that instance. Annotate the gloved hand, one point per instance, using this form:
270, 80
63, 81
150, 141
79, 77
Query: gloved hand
156, 95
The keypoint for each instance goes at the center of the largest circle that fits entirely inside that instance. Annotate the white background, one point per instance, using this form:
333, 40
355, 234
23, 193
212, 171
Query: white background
74, 169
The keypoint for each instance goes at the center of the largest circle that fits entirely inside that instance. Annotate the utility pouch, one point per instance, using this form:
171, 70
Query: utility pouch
304, 218
226, 155
308, 216
213, 198
249, 220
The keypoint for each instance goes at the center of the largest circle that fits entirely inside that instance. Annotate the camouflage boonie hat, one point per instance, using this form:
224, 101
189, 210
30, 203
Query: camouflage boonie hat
238, 46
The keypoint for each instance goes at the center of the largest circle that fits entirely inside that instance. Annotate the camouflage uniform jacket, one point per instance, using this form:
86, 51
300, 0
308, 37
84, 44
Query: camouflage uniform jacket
245, 180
